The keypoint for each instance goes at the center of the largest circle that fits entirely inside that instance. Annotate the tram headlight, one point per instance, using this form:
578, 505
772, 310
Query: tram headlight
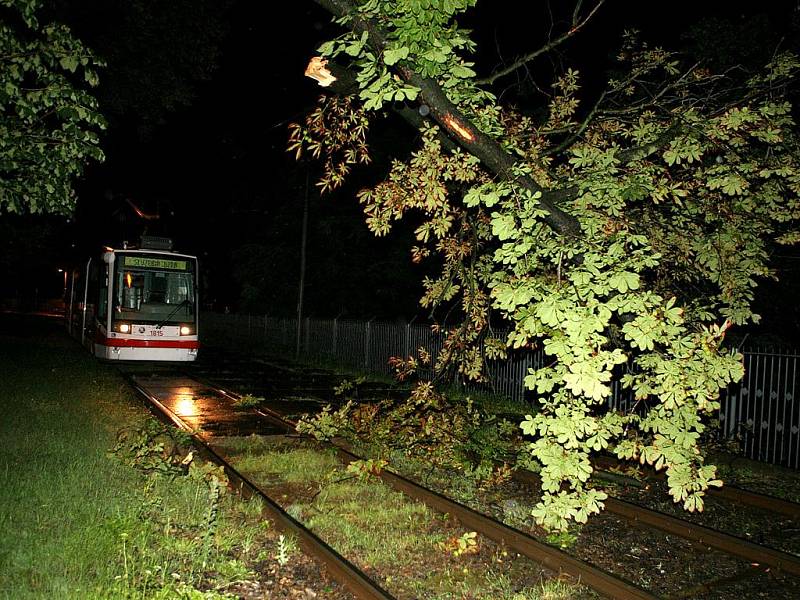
187, 330
123, 327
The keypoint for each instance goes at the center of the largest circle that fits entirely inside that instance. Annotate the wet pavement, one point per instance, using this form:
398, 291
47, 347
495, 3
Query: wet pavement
204, 409
203, 393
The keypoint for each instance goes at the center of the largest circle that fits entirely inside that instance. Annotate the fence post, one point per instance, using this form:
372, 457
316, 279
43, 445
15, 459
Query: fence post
519, 390
335, 333
367, 331
407, 352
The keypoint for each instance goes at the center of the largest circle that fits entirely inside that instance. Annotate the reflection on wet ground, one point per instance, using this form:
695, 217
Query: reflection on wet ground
207, 411
196, 392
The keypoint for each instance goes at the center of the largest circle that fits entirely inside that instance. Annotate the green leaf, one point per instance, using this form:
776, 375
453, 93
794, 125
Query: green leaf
504, 226
70, 63
327, 48
462, 72
392, 55
624, 281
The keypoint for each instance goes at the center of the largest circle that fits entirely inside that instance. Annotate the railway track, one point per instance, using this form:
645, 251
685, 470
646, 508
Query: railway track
167, 394
340, 569
756, 554
604, 465
705, 536
548, 556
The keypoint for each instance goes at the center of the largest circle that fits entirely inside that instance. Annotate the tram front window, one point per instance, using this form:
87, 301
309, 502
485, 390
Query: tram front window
145, 291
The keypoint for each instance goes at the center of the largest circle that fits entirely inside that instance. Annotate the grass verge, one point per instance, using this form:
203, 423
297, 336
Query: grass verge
78, 522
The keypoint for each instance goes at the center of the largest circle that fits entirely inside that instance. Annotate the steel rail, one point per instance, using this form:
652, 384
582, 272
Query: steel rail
708, 586
730, 493
552, 558
756, 500
705, 536
339, 567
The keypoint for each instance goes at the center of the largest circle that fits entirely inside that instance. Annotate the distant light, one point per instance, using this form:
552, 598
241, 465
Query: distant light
424, 110
61, 270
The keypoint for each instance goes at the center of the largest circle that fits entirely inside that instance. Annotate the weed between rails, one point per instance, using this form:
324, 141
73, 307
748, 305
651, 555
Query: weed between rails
411, 550
248, 401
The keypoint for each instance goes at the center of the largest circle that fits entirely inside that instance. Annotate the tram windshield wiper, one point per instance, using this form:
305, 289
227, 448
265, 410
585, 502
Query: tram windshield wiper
166, 319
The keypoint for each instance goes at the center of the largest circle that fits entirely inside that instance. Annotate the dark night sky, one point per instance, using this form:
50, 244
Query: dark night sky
216, 170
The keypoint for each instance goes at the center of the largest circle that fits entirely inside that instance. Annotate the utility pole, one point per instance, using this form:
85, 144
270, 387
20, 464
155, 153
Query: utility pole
304, 237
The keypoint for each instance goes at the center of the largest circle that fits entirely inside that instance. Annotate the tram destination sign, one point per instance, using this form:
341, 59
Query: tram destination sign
156, 263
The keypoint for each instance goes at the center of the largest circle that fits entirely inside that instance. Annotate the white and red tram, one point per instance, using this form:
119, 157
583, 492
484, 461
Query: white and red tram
136, 303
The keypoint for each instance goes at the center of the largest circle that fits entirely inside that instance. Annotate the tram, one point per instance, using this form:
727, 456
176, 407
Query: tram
136, 303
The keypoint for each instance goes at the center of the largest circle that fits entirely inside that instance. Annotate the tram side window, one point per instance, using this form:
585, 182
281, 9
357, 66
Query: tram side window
92, 294
102, 301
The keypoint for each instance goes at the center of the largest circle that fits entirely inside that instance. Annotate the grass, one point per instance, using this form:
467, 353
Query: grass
78, 523
406, 546
248, 401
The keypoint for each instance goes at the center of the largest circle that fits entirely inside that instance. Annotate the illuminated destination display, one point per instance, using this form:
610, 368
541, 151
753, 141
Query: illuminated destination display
156, 263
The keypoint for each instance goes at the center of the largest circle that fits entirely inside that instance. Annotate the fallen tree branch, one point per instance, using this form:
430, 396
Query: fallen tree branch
455, 123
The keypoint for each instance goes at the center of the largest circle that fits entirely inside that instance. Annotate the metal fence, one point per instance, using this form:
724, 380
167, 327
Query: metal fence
761, 411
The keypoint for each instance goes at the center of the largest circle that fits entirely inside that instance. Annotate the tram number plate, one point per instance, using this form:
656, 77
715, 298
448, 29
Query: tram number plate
157, 332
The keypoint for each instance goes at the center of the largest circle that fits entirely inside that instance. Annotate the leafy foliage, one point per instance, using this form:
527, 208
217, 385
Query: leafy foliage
336, 132
467, 543
154, 449
682, 181
327, 424
366, 469
287, 546
425, 426
50, 123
